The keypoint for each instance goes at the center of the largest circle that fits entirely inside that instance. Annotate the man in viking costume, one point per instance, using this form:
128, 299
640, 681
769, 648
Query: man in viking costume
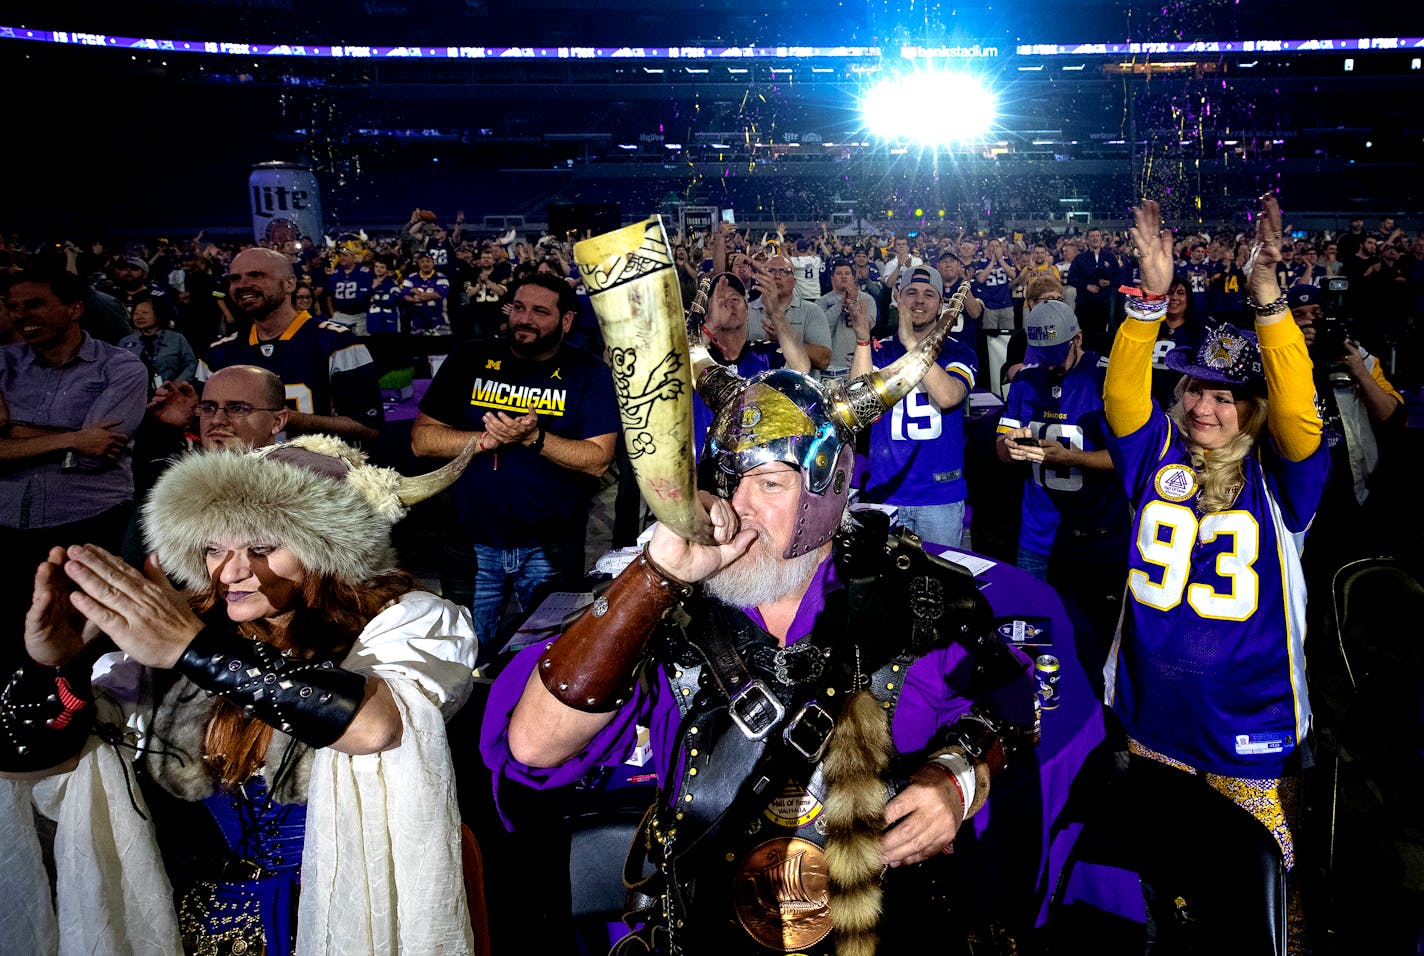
827, 702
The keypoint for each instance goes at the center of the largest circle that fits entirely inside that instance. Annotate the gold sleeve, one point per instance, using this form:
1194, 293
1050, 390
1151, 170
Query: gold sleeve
1293, 419
1127, 389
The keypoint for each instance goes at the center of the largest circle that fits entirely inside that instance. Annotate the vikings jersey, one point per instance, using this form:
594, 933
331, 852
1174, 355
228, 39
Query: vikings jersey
429, 315
383, 308
1208, 666
917, 451
1197, 276
323, 366
350, 291
1084, 500
995, 291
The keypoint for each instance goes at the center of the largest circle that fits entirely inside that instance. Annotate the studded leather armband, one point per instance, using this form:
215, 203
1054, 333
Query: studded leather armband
45, 716
591, 667
979, 738
313, 701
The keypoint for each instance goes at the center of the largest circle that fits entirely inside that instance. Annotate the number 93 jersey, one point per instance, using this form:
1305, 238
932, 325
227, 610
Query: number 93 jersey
1208, 666
916, 450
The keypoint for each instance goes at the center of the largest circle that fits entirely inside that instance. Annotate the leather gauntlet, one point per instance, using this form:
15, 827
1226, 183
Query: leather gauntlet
313, 701
590, 668
978, 738
45, 716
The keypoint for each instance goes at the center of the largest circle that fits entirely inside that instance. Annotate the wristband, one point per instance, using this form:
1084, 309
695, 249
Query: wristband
1137, 293
1146, 311
867, 343
961, 771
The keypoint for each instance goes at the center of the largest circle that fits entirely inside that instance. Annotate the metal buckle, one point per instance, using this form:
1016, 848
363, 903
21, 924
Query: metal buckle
809, 732
748, 708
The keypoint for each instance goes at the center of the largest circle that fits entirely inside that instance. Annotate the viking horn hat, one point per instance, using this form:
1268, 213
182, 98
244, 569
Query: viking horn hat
315, 496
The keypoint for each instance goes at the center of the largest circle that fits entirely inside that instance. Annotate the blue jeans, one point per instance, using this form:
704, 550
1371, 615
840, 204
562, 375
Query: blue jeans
939, 524
556, 562
1034, 562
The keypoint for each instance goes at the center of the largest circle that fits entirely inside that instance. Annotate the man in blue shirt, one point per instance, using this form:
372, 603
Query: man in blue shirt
425, 292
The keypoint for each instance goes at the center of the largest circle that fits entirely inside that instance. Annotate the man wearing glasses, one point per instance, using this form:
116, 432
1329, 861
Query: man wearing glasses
242, 405
803, 315
328, 374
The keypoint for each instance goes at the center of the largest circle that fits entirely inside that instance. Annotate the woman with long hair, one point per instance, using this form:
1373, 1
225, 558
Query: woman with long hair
284, 718
1208, 671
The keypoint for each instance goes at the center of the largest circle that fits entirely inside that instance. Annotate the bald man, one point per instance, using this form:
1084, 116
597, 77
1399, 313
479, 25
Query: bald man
242, 405
330, 380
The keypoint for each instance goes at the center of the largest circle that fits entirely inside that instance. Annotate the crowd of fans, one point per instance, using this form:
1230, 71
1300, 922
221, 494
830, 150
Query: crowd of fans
177, 313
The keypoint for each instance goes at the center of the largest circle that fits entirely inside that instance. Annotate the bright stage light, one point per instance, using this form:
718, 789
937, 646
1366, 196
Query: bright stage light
910, 108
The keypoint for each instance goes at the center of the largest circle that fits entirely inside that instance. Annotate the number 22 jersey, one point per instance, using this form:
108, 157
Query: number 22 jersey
1208, 666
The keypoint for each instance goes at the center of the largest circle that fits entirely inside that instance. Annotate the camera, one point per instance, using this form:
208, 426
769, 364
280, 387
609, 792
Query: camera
1332, 329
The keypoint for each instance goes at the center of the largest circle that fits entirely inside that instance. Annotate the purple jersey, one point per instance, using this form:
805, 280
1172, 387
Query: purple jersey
995, 290
1208, 666
350, 291
383, 307
1197, 276
429, 315
1087, 503
917, 451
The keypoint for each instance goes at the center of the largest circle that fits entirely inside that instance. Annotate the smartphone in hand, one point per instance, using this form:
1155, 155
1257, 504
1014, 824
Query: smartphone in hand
1029, 442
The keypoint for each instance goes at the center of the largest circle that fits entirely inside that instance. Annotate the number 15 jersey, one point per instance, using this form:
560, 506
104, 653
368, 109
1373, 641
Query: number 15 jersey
917, 451
1208, 666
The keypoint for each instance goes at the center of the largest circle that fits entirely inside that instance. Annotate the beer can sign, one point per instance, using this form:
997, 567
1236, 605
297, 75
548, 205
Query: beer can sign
286, 204
1047, 670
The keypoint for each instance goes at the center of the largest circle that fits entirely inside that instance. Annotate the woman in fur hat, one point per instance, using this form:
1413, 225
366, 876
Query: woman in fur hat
287, 712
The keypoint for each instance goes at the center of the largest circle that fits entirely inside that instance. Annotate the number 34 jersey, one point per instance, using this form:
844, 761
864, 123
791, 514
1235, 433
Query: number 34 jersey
916, 450
1208, 666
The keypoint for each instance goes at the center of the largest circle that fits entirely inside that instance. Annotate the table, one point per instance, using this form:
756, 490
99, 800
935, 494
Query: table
1037, 789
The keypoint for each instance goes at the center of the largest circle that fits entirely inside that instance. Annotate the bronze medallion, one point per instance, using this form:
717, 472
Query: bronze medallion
781, 894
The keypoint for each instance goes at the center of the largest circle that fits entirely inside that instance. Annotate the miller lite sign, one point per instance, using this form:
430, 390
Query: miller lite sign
286, 204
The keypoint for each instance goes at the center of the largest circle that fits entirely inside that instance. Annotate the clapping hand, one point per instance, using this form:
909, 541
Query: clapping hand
142, 613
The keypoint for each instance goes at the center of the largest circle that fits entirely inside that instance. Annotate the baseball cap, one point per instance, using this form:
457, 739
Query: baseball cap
1299, 295
136, 262
922, 274
1050, 327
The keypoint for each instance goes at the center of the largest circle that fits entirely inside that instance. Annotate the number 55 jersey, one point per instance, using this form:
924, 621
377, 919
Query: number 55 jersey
1208, 666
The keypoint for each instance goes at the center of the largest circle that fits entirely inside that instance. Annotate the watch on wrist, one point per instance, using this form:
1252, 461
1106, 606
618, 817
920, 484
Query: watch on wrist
537, 445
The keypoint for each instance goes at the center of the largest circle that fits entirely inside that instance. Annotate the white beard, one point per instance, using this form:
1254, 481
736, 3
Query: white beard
761, 576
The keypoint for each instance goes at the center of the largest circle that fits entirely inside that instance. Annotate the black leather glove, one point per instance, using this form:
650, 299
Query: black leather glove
313, 701
45, 716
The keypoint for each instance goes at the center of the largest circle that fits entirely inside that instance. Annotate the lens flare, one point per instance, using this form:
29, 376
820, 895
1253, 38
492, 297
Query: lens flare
910, 108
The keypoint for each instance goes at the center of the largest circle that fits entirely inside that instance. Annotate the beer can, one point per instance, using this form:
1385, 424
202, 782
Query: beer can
1047, 671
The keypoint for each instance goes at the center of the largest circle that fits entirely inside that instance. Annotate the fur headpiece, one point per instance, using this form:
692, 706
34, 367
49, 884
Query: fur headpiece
315, 496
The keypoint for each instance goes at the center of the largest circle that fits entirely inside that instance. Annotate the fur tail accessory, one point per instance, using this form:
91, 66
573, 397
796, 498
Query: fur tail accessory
857, 759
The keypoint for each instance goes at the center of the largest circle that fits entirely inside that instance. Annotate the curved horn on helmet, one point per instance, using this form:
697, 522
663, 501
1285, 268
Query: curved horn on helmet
863, 399
633, 286
417, 488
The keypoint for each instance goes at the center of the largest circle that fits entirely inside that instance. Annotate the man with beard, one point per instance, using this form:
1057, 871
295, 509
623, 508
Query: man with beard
792, 809
548, 422
330, 379
917, 451
1074, 525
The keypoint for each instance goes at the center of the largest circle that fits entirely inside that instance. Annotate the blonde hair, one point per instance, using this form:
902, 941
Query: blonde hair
1220, 471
